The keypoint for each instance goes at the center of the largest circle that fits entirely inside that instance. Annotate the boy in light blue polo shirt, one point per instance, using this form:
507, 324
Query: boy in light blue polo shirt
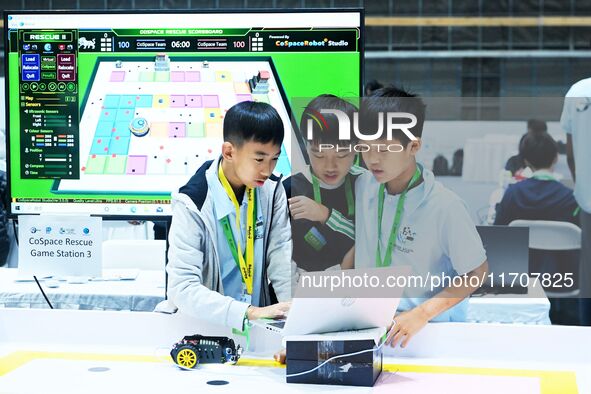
406, 218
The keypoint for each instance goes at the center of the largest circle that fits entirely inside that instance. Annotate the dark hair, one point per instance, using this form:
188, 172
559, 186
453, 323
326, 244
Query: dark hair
392, 99
540, 150
372, 86
537, 126
534, 126
325, 127
253, 121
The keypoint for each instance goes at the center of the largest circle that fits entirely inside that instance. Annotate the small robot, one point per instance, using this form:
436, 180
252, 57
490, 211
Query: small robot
198, 349
161, 62
139, 127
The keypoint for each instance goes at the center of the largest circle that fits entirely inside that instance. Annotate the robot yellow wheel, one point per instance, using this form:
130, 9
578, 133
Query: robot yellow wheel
186, 357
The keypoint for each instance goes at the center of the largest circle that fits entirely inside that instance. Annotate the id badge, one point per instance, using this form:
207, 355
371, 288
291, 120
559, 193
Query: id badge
259, 229
315, 239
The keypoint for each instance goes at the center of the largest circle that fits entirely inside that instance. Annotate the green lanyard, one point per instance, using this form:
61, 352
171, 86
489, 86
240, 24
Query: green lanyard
395, 225
544, 177
247, 266
244, 333
348, 192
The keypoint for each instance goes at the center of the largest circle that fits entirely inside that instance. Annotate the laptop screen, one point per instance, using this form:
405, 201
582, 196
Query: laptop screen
507, 252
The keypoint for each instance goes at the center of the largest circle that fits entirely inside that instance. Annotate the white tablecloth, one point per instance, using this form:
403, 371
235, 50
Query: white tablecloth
530, 308
141, 294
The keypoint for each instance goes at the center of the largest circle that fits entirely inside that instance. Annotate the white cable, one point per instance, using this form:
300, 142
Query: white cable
384, 338
334, 358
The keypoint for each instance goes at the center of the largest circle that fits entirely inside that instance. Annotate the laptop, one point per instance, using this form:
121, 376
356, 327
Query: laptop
322, 315
507, 251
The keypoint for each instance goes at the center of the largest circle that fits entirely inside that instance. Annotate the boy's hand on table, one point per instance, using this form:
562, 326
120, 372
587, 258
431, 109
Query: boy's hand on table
405, 326
275, 311
280, 356
302, 207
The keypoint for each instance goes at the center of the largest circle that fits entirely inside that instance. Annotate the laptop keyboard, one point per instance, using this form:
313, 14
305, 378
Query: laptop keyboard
278, 324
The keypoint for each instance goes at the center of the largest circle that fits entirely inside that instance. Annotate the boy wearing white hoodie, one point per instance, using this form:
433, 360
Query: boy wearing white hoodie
230, 239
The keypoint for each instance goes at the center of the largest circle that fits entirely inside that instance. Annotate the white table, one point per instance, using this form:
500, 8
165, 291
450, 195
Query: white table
530, 308
144, 293
53, 350
141, 294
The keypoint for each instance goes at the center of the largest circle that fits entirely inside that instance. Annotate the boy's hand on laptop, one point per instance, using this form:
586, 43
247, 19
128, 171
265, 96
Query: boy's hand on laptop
405, 326
302, 207
275, 311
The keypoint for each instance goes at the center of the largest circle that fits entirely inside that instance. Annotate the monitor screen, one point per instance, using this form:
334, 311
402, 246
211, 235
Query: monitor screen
109, 113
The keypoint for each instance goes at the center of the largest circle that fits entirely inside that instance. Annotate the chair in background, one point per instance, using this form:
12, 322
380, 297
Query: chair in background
553, 236
554, 248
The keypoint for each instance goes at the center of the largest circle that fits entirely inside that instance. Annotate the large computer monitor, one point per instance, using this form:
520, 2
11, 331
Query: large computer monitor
108, 113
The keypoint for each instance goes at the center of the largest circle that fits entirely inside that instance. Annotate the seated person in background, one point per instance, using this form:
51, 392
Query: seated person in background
322, 202
217, 270
515, 164
457, 163
540, 197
